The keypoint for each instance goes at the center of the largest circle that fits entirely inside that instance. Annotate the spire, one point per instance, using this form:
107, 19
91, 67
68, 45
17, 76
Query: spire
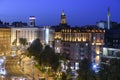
63, 12
108, 15
108, 11
63, 18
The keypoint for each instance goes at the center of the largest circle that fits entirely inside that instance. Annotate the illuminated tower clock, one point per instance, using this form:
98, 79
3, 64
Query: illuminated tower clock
63, 18
32, 21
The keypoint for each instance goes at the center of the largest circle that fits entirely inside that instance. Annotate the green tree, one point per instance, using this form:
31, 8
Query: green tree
14, 42
85, 70
48, 58
114, 69
110, 71
23, 41
64, 76
104, 72
68, 73
35, 49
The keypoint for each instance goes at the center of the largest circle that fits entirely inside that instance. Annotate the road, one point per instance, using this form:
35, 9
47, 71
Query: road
25, 70
12, 67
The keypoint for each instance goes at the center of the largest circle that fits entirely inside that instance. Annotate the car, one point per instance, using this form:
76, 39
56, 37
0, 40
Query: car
13, 54
3, 71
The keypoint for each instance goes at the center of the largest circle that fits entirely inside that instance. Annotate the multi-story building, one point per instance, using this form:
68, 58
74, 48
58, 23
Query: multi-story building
28, 33
111, 49
46, 35
5, 35
31, 32
79, 42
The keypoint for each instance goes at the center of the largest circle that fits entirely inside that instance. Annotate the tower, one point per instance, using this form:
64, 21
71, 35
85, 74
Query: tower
63, 18
108, 16
32, 21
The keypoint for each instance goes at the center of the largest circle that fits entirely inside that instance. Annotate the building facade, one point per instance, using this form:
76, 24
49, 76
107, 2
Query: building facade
111, 49
5, 39
29, 34
80, 42
45, 34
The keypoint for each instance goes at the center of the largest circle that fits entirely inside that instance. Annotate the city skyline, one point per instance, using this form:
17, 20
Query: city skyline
48, 12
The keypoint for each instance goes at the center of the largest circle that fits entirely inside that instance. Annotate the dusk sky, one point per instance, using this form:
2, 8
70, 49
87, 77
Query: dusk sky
47, 12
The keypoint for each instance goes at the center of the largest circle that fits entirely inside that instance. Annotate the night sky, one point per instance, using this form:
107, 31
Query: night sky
47, 12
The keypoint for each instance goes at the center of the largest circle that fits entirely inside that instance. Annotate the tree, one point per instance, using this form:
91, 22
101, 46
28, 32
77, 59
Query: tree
23, 41
114, 69
48, 58
110, 71
14, 42
35, 49
64, 76
85, 70
104, 72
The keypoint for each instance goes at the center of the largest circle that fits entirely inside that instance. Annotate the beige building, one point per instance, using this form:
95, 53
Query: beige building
80, 42
5, 39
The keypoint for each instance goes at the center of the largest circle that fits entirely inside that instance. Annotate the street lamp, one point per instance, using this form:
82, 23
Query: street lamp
32, 57
23, 66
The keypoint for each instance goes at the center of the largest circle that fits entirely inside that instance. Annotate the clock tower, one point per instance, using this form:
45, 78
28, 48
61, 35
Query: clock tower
63, 18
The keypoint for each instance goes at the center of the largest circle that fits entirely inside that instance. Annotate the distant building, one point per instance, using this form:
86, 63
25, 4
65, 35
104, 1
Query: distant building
19, 24
32, 21
63, 18
111, 49
102, 24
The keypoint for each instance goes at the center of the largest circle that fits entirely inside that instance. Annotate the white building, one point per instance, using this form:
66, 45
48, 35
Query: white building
45, 34
29, 33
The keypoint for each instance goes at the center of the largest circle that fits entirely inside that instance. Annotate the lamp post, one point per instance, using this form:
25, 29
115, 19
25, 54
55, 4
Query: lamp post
32, 57
32, 70
23, 66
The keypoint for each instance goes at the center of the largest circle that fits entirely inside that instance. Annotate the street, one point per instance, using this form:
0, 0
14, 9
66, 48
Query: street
12, 68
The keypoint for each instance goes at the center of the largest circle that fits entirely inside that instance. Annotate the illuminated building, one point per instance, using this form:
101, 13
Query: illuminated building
63, 18
29, 33
32, 32
80, 42
5, 36
45, 34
